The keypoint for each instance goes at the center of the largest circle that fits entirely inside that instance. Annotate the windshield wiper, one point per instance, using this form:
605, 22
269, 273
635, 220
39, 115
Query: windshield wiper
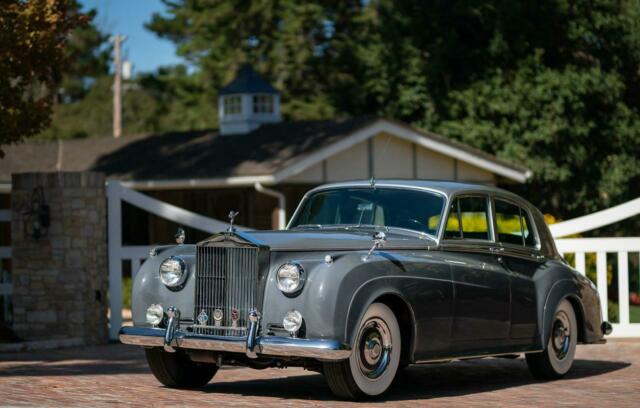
308, 226
419, 234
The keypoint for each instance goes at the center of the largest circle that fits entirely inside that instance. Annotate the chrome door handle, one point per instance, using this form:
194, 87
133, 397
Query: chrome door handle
496, 250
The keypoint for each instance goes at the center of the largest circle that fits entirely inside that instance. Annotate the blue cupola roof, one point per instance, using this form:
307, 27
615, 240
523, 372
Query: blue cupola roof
247, 81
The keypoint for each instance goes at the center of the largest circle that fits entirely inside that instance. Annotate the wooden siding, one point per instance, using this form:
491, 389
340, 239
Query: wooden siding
387, 156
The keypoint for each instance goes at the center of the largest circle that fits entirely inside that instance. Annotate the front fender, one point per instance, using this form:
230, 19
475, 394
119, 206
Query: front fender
148, 289
365, 295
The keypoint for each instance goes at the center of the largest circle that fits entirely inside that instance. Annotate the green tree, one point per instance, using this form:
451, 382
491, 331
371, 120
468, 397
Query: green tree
293, 43
33, 35
88, 53
551, 84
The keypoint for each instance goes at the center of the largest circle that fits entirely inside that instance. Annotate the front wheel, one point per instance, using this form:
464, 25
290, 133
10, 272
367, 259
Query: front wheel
176, 370
375, 358
556, 360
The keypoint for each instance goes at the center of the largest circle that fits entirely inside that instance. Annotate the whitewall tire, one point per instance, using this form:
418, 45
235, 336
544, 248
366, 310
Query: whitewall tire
374, 360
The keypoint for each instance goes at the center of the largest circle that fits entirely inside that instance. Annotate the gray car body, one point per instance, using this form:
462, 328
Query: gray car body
424, 278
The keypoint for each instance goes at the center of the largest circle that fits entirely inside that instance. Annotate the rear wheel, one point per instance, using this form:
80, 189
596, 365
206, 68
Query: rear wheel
176, 370
375, 358
556, 360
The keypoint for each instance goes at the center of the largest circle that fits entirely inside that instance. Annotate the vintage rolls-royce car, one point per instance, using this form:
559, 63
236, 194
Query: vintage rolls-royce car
368, 277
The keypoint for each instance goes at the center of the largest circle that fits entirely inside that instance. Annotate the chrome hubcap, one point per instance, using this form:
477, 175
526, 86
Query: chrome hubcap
561, 335
374, 348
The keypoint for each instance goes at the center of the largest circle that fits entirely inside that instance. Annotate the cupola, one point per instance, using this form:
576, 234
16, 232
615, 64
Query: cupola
247, 102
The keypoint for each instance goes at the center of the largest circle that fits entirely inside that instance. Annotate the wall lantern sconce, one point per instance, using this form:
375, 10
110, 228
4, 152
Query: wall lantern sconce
36, 216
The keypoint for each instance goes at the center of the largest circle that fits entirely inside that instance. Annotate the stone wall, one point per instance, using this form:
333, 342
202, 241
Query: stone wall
60, 279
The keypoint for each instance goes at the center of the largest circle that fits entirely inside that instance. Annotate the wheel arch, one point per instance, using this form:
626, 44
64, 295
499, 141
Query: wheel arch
404, 313
398, 304
561, 290
578, 309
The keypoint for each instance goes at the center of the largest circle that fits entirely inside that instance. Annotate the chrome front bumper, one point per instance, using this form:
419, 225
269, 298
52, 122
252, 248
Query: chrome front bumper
320, 349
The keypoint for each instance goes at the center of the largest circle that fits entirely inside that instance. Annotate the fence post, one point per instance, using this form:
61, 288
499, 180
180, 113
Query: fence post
115, 263
601, 283
580, 263
623, 287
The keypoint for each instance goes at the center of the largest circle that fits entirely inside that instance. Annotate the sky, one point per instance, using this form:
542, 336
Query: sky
127, 17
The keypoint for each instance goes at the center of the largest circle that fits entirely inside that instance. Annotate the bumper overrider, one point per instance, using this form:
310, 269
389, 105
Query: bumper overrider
252, 345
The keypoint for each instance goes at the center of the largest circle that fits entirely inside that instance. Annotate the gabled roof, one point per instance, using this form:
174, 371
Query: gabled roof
270, 154
248, 81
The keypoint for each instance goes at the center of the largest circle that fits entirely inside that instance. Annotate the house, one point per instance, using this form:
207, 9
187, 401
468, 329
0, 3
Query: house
256, 162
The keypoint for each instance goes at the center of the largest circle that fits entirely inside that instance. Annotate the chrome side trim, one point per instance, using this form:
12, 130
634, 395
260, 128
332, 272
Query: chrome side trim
475, 356
321, 349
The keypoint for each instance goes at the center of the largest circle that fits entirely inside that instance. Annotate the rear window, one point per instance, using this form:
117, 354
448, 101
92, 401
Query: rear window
514, 225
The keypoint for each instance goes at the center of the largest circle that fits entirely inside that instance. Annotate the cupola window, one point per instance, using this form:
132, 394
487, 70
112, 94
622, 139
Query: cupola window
262, 104
232, 105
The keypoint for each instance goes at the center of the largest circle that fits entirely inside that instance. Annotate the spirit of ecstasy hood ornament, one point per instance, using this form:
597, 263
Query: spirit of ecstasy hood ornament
232, 216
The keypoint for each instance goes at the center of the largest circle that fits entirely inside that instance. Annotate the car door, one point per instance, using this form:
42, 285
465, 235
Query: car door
520, 256
481, 284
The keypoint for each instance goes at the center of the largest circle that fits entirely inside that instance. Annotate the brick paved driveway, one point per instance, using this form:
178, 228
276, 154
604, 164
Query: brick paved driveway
116, 374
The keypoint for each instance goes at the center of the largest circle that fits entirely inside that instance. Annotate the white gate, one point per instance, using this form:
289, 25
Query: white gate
116, 194
622, 247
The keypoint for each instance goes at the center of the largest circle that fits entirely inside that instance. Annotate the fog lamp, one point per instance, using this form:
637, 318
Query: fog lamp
292, 322
155, 313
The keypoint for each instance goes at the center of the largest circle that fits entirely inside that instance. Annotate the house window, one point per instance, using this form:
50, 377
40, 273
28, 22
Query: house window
232, 105
263, 104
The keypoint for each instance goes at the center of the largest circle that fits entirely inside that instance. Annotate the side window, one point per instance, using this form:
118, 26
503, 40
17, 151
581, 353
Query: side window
514, 225
508, 223
474, 217
527, 230
468, 219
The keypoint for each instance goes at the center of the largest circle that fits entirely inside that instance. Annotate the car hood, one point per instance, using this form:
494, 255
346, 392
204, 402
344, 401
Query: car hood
337, 240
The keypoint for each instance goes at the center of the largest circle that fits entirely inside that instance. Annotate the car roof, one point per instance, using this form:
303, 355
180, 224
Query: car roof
448, 188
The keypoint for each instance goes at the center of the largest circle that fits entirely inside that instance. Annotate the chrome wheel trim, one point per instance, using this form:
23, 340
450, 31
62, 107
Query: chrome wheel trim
561, 335
561, 346
374, 348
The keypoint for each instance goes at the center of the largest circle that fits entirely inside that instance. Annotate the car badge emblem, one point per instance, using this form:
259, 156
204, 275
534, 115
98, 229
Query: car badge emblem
235, 316
203, 318
217, 317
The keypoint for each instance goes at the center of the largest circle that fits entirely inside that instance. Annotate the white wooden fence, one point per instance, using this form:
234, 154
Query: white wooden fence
621, 247
116, 194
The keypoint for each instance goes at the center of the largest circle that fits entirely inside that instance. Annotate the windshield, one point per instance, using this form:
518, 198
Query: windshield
416, 210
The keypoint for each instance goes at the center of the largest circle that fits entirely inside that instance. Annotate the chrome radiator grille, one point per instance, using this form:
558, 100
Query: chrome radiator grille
226, 279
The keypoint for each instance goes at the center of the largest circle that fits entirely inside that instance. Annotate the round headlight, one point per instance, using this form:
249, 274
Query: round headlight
290, 277
292, 321
155, 315
173, 271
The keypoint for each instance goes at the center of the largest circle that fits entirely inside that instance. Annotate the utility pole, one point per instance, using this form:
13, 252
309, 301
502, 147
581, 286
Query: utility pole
117, 85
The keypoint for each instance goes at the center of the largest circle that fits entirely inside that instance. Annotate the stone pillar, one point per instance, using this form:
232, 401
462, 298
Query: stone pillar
60, 279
